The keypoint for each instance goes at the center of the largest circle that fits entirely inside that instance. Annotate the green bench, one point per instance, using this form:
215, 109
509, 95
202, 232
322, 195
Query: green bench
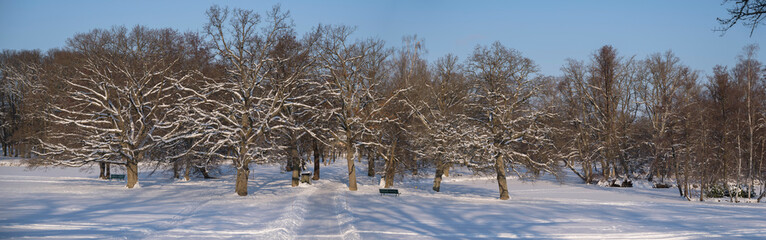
117, 176
391, 191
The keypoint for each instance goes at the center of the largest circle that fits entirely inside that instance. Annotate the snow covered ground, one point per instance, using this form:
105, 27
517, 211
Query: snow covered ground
71, 203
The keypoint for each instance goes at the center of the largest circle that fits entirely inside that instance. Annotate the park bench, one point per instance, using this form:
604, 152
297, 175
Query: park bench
117, 176
306, 177
392, 191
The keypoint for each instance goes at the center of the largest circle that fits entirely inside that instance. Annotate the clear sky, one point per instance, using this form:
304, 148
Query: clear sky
546, 31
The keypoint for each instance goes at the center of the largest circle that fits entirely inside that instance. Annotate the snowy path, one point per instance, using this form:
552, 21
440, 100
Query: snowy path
327, 215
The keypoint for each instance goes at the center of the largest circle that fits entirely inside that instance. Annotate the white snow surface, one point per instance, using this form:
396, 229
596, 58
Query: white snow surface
71, 203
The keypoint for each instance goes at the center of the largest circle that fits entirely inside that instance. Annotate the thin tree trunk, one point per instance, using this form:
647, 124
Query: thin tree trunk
351, 168
446, 170
750, 167
678, 181
686, 179
391, 166
296, 168
739, 171
760, 166
108, 170
414, 165
625, 166
677, 171
371, 166
327, 159
587, 170
322, 155
702, 188
438, 176
316, 161
187, 170
176, 167
102, 170
502, 183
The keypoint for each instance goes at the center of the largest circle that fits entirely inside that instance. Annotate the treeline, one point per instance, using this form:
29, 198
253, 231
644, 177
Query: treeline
249, 90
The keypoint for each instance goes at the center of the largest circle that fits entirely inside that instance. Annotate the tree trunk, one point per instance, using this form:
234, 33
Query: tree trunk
351, 168
686, 179
391, 166
242, 176
296, 166
390, 173
678, 180
176, 167
296, 177
316, 161
702, 189
205, 174
414, 164
677, 171
739, 171
187, 170
102, 170
371, 166
587, 171
566, 163
502, 183
625, 166
438, 179
446, 170
108, 170
132, 172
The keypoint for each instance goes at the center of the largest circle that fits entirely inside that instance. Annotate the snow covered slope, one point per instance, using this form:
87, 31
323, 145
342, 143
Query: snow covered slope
71, 203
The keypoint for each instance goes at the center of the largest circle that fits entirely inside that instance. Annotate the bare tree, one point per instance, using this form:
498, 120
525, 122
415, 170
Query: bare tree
749, 76
236, 114
405, 83
750, 12
441, 117
576, 138
507, 129
350, 70
662, 94
606, 93
118, 105
723, 101
21, 83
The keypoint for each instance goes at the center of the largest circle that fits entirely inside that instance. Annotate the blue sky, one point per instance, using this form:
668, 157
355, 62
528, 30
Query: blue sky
546, 31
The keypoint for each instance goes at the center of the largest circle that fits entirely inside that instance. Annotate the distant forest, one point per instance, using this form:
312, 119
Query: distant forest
249, 90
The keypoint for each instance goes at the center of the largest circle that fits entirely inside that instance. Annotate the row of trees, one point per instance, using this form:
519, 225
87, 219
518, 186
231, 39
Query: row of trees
249, 90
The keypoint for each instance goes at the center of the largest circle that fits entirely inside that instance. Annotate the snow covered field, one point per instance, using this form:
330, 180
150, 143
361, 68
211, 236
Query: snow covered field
71, 203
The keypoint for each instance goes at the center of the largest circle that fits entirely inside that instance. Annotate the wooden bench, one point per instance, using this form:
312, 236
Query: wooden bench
117, 176
391, 191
